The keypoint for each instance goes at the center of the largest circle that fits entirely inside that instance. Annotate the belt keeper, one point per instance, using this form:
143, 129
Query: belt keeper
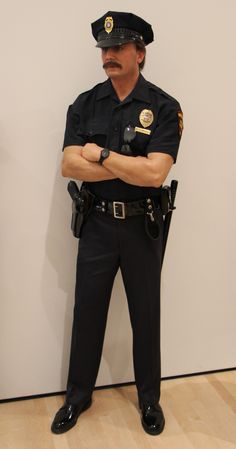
104, 206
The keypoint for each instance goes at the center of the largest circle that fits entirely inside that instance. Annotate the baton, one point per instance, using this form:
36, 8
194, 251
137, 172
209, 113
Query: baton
167, 221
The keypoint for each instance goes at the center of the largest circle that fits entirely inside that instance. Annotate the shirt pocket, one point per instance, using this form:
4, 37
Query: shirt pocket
96, 132
140, 143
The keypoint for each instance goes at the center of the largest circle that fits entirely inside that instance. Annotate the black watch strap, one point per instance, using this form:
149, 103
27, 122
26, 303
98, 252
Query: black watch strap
104, 155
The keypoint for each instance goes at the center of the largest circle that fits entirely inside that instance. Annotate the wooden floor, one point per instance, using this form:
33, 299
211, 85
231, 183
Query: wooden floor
200, 413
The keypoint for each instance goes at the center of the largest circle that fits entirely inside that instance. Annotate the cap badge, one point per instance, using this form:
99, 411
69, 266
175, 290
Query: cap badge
146, 118
108, 24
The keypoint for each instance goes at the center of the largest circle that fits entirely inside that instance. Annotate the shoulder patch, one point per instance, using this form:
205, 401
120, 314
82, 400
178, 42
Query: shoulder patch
181, 121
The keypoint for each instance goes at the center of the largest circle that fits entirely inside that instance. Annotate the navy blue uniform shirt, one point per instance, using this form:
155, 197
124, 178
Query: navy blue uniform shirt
98, 116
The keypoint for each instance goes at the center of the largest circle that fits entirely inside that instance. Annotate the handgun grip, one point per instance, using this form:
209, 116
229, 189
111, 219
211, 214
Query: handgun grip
73, 190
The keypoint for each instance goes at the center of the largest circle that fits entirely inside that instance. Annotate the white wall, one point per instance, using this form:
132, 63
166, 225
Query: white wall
48, 57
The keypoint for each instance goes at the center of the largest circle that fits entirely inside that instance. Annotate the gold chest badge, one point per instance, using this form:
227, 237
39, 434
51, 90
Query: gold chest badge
146, 118
108, 24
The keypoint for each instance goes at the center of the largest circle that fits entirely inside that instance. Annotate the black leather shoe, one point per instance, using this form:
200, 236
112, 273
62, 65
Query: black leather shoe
153, 420
67, 416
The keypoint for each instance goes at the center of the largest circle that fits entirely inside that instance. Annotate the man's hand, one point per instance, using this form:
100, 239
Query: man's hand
91, 152
75, 166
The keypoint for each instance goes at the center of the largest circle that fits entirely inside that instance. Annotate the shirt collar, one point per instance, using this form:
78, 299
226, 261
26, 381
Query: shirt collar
105, 90
140, 91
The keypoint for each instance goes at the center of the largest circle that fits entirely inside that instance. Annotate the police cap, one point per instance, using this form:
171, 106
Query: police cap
117, 28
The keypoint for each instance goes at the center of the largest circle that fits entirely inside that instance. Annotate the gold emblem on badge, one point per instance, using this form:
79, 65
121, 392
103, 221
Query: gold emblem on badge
108, 24
146, 118
181, 122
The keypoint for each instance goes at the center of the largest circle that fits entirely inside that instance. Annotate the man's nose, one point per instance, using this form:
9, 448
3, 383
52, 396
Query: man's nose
109, 53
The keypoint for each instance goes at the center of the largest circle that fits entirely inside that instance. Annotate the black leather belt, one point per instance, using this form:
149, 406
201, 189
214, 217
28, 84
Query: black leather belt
121, 209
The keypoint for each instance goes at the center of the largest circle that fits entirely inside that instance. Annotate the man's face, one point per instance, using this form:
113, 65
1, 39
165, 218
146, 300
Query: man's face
121, 60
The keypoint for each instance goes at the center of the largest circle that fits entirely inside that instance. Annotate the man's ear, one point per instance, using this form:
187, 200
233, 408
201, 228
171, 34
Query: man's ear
140, 56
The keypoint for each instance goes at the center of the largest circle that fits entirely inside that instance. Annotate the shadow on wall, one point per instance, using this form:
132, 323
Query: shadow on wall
58, 297
59, 263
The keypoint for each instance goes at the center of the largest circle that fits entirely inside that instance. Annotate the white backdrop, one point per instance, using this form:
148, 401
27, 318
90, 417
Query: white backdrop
48, 57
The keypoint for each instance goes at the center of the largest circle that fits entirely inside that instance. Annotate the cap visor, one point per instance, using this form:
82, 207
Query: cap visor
112, 42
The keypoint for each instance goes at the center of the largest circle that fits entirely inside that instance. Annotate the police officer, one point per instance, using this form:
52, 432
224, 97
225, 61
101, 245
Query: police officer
121, 139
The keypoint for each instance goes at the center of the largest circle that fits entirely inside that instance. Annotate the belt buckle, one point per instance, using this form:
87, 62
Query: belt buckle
119, 209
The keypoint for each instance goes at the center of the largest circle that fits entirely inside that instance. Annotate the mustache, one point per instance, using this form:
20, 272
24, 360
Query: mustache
111, 63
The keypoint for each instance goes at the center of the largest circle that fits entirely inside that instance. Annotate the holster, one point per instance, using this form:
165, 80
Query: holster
82, 202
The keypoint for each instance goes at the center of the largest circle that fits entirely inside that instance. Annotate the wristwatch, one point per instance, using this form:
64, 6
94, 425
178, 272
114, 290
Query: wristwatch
104, 155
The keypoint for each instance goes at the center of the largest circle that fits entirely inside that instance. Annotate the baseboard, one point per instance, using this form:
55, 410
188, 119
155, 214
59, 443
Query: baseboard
102, 387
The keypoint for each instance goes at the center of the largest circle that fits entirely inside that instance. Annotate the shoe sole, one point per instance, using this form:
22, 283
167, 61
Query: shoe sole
85, 407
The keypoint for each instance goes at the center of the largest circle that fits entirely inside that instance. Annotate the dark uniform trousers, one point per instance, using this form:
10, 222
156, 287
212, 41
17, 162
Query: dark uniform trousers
108, 243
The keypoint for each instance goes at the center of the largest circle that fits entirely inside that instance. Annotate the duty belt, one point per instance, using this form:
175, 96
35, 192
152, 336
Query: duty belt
121, 210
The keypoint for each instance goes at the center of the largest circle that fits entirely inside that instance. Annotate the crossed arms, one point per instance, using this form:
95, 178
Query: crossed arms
82, 163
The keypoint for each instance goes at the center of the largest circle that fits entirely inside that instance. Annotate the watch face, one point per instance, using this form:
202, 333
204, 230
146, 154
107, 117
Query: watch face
105, 152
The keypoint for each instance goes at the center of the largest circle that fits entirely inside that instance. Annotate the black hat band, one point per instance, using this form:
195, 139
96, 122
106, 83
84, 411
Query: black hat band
119, 34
